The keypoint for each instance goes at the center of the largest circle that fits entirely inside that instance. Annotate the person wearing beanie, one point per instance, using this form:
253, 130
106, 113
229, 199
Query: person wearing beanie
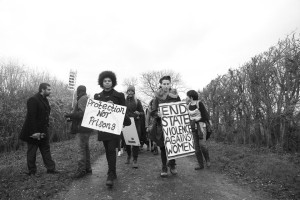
164, 95
135, 110
107, 81
83, 133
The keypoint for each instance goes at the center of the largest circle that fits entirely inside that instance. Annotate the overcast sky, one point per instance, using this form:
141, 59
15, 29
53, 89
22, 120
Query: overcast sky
198, 39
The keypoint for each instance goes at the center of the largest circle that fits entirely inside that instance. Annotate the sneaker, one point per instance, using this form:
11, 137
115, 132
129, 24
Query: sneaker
164, 172
135, 165
173, 169
128, 160
199, 167
79, 174
119, 153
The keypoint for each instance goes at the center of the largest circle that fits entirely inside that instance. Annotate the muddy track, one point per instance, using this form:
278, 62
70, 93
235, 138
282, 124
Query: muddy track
145, 183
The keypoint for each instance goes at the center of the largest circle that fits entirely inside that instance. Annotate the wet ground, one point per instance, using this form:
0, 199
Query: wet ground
145, 182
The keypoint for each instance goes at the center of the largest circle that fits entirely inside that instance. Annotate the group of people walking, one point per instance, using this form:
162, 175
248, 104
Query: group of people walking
148, 125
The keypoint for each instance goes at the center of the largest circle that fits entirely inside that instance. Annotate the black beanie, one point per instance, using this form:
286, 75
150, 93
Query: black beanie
81, 88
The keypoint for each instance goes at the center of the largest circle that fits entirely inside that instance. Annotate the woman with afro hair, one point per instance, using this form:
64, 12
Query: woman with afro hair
107, 81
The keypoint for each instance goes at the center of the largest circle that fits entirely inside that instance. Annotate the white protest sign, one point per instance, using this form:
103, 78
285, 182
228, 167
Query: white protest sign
131, 135
104, 116
177, 131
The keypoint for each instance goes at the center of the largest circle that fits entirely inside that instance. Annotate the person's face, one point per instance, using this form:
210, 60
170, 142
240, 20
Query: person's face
130, 93
165, 85
107, 83
47, 91
188, 99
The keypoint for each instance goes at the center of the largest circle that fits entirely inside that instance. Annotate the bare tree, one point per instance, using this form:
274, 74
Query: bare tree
130, 81
150, 81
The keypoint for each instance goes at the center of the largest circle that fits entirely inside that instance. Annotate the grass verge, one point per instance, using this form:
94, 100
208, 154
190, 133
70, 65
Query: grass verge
17, 185
275, 173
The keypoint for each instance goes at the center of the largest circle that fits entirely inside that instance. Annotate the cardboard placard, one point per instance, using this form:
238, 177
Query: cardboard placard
104, 116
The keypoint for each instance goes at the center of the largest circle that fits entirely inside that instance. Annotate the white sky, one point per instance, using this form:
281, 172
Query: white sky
198, 39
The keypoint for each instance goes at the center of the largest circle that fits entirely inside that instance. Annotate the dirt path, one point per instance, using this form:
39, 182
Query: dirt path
145, 183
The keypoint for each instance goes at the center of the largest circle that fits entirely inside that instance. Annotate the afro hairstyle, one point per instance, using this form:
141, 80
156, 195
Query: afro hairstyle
107, 74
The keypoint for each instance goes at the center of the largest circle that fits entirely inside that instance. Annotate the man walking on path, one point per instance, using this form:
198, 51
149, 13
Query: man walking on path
35, 130
164, 95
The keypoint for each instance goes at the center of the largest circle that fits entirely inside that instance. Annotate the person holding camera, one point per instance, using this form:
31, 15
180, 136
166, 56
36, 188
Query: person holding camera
83, 133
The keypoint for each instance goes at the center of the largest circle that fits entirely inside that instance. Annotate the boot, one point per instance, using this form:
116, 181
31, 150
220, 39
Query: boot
173, 169
199, 167
110, 179
79, 174
155, 151
89, 171
135, 164
128, 160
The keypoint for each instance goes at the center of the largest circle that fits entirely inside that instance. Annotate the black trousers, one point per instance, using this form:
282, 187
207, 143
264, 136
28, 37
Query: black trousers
110, 150
135, 151
163, 156
44, 147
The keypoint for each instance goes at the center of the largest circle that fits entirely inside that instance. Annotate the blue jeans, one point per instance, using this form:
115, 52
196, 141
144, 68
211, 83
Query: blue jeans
84, 161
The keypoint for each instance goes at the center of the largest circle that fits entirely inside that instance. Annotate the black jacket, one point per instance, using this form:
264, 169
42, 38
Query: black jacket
37, 118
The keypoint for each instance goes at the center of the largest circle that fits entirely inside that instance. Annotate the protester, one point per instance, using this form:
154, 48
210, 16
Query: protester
164, 95
135, 110
107, 81
148, 122
199, 117
35, 130
144, 136
83, 133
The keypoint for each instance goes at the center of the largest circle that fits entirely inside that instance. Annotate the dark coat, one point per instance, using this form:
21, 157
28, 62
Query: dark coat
116, 98
133, 105
37, 119
157, 133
